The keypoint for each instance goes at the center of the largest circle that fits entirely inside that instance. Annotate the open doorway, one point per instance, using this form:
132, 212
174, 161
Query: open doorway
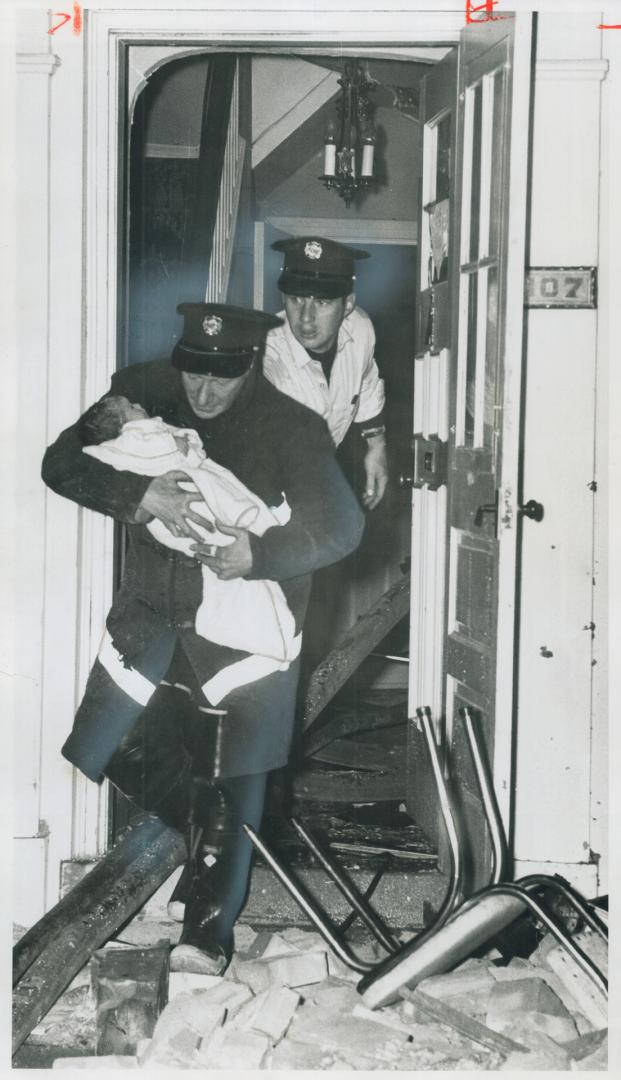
251, 128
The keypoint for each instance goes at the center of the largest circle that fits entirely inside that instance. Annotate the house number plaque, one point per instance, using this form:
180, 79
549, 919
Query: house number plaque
561, 287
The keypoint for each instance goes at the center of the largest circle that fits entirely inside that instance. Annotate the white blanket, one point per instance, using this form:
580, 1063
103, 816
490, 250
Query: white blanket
251, 616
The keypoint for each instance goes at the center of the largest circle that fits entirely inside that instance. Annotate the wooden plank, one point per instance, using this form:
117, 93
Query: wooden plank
78, 901
348, 722
382, 849
343, 661
350, 786
462, 1023
356, 755
62, 942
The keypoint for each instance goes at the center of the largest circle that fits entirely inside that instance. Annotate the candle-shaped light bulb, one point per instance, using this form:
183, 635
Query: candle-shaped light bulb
329, 151
368, 151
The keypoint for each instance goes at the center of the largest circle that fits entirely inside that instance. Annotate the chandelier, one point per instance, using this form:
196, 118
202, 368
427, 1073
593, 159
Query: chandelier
348, 158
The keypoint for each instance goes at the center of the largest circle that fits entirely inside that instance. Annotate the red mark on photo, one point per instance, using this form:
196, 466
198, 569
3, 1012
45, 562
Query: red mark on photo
482, 13
609, 26
76, 19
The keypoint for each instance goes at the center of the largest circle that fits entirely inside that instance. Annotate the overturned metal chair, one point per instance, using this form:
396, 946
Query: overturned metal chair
460, 926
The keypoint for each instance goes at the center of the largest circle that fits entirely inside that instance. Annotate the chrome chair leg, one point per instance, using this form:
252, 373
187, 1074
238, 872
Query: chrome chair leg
318, 918
483, 915
308, 906
479, 919
560, 885
456, 931
490, 806
564, 939
364, 910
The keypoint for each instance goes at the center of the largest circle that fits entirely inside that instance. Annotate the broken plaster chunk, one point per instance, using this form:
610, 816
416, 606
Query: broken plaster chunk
174, 1043
386, 1017
354, 1040
467, 990
181, 981
333, 993
278, 945
141, 1048
292, 970
595, 1062
509, 1000
466, 981
229, 994
295, 1056
339, 970
192, 1016
560, 1028
253, 974
177, 1052
253, 949
301, 969
543, 1054
102, 1061
230, 1048
589, 1000
243, 936
270, 1013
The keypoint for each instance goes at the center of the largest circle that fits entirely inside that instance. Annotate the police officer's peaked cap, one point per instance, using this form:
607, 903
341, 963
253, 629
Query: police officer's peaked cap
314, 266
219, 339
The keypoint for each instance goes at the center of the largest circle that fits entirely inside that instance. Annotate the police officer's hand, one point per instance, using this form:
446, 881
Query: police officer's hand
166, 500
376, 472
232, 561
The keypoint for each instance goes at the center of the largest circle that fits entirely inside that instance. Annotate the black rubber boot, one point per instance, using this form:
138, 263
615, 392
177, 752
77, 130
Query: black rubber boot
202, 896
206, 943
212, 820
216, 883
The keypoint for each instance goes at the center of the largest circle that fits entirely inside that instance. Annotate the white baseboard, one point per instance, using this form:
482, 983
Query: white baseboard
583, 876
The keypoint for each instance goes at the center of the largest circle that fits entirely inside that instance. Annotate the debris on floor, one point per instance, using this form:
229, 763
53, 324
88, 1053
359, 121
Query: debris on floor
287, 1003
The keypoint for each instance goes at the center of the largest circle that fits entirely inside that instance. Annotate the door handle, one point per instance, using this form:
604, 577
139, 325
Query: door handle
532, 509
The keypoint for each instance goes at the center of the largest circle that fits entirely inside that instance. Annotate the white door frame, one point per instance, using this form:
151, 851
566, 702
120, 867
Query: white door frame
429, 508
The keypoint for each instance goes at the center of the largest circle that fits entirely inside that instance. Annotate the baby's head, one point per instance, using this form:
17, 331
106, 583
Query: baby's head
105, 419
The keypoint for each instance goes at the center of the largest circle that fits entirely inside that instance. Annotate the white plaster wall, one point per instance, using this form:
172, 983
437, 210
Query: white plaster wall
49, 313
35, 70
555, 782
607, 599
302, 88
295, 80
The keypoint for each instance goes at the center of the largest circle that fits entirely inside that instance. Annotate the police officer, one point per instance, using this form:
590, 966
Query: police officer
323, 355
144, 721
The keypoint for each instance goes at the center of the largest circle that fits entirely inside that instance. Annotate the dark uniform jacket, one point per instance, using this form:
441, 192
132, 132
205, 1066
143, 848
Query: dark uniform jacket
279, 449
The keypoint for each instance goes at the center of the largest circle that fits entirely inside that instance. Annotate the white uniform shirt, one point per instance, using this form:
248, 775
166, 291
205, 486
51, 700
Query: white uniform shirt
355, 392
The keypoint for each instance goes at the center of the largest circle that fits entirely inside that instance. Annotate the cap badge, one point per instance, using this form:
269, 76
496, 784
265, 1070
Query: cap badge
313, 249
212, 325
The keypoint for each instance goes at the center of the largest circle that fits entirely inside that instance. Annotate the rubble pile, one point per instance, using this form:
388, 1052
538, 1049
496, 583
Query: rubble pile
286, 1003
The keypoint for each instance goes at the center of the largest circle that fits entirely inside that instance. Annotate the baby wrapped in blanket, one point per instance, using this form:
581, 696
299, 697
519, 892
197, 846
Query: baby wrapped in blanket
251, 616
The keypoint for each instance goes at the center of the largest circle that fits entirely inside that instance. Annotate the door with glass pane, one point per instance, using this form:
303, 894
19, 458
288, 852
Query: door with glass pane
484, 409
432, 366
